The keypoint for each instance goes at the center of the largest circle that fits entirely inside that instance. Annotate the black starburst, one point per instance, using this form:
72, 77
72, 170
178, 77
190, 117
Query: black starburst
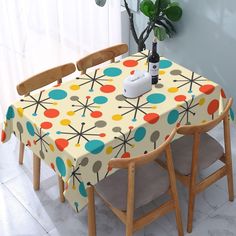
36, 102
185, 81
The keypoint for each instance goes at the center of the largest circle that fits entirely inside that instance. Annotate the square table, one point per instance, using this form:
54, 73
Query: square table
78, 126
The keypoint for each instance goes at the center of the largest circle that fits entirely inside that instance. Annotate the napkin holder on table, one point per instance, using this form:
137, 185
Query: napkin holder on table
137, 84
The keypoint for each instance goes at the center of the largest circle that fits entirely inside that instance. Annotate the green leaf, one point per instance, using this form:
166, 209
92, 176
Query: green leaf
160, 33
164, 4
147, 8
173, 11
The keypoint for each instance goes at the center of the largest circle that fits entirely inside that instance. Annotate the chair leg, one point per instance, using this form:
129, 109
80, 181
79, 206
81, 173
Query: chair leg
61, 188
21, 153
91, 212
191, 205
230, 181
36, 172
178, 215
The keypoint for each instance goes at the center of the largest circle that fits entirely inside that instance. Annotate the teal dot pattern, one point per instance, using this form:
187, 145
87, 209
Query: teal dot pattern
156, 98
10, 113
30, 128
172, 117
57, 94
112, 72
94, 146
165, 64
61, 166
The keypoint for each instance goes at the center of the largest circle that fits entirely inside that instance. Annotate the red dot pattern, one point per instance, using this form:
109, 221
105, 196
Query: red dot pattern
46, 125
51, 113
61, 144
151, 118
3, 136
207, 89
96, 114
107, 88
213, 107
180, 98
130, 63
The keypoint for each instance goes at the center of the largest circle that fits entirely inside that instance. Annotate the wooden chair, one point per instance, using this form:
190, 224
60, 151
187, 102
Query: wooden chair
139, 181
101, 56
197, 150
25, 88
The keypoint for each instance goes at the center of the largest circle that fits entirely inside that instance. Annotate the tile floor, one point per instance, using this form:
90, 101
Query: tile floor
25, 212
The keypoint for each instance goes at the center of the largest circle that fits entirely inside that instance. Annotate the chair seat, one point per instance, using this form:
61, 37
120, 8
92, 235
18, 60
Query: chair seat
209, 152
151, 181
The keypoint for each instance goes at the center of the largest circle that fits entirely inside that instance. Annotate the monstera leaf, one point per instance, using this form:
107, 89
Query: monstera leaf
173, 11
100, 3
147, 7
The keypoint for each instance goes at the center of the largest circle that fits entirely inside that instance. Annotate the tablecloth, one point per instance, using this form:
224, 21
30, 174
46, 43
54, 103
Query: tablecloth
76, 127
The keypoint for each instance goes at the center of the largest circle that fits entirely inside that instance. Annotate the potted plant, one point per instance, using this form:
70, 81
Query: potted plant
161, 15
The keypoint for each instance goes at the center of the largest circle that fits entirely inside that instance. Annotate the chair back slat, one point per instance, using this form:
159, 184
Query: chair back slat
144, 158
205, 127
101, 56
44, 78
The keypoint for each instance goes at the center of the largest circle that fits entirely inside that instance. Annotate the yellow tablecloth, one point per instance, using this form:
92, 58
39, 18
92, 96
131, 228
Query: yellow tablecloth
78, 126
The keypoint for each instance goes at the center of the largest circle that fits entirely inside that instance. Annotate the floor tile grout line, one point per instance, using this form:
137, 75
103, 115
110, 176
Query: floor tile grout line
25, 208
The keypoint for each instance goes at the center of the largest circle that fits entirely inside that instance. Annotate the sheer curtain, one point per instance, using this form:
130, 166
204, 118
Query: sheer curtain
39, 34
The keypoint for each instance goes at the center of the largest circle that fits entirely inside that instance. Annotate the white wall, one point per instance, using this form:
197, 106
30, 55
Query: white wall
205, 42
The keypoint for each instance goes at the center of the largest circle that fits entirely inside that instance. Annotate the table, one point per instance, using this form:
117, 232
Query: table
78, 126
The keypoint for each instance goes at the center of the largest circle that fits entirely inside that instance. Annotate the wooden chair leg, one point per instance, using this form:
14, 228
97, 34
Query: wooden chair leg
230, 181
21, 153
91, 212
61, 188
36, 172
178, 216
191, 205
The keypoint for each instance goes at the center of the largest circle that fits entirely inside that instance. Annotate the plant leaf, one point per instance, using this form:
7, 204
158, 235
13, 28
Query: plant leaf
147, 8
173, 12
164, 4
160, 33
100, 3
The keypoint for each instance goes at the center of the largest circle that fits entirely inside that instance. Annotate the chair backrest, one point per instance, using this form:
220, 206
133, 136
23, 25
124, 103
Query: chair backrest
44, 78
205, 127
101, 56
143, 159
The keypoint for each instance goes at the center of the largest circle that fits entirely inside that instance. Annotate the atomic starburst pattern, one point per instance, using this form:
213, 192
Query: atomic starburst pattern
186, 81
38, 102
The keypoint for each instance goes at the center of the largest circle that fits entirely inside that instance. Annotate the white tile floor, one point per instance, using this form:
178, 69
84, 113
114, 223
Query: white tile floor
26, 212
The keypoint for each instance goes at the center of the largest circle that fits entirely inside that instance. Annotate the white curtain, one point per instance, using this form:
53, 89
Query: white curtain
38, 34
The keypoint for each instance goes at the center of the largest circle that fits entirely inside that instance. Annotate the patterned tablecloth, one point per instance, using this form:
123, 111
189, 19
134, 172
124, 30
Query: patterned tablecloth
78, 126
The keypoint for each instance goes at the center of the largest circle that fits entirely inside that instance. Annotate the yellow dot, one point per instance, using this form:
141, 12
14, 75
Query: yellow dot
110, 79
154, 107
65, 122
133, 145
70, 113
109, 150
201, 101
68, 162
51, 147
173, 90
162, 72
117, 117
55, 103
203, 121
74, 87
73, 187
20, 111
77, 145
